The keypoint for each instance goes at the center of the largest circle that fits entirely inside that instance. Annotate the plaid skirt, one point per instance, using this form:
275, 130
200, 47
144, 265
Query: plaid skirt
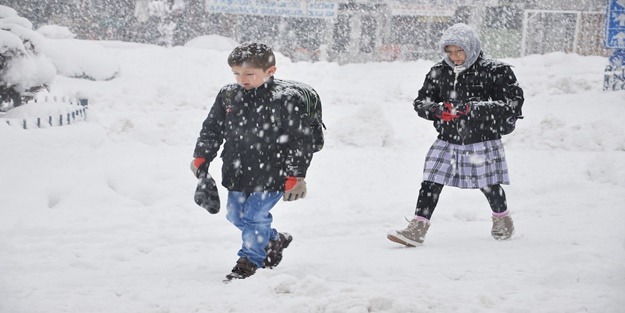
466, 166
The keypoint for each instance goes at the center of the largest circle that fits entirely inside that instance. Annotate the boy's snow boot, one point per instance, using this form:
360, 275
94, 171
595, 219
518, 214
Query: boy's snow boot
242, 270
413, 235
503, 228
274, 250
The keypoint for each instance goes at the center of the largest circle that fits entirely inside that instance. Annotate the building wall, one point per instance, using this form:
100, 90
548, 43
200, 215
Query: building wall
359, 31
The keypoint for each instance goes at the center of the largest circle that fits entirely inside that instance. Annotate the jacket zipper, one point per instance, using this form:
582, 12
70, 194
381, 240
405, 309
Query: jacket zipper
457, 122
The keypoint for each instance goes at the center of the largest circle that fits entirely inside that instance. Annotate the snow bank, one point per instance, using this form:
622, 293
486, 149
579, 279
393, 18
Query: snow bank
213, 42
55, 32
81, 59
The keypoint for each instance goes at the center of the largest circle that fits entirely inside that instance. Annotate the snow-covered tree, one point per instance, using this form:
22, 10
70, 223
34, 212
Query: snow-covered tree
24, 70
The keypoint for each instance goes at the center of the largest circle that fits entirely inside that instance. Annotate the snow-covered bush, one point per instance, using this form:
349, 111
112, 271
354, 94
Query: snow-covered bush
24, 70
213, 42
56, 32
85, 59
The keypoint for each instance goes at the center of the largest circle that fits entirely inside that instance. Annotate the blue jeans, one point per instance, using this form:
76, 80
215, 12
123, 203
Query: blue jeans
249, 212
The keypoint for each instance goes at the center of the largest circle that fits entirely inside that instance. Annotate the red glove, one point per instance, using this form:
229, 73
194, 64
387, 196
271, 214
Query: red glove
452, 111
199, 166
448, 114
294, 188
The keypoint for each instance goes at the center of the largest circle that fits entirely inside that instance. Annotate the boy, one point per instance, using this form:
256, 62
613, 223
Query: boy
472, 102
267, 151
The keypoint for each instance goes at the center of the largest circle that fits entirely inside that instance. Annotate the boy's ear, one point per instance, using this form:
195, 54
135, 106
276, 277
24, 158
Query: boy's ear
272, 70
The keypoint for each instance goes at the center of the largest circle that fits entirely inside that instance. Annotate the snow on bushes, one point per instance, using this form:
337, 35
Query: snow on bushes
24, 70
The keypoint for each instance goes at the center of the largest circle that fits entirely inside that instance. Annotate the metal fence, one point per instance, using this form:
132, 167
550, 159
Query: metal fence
547, 31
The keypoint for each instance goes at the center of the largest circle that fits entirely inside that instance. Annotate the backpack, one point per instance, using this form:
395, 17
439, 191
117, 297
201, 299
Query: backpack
313, 108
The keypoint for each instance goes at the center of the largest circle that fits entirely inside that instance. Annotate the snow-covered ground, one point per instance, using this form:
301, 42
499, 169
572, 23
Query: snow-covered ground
99, 216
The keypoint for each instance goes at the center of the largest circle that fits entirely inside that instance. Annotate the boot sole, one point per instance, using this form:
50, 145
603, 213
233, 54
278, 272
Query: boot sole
402, 240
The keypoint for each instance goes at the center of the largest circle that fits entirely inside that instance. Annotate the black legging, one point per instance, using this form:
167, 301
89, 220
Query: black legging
430, 191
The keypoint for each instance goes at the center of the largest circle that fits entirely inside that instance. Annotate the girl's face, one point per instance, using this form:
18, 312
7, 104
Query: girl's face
250, 77
455, 54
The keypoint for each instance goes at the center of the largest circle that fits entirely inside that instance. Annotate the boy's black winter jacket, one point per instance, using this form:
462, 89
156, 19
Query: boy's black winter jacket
489, 88
266, 133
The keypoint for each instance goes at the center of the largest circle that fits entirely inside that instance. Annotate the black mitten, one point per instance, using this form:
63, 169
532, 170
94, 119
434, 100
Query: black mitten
206, 194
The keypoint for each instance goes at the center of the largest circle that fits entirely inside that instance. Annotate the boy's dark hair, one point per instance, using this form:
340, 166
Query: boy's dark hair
253, 54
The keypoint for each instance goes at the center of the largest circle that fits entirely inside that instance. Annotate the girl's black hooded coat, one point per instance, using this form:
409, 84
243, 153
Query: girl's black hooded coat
488, 87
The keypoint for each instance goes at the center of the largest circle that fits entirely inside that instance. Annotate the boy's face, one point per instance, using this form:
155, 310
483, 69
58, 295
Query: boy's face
250, 77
